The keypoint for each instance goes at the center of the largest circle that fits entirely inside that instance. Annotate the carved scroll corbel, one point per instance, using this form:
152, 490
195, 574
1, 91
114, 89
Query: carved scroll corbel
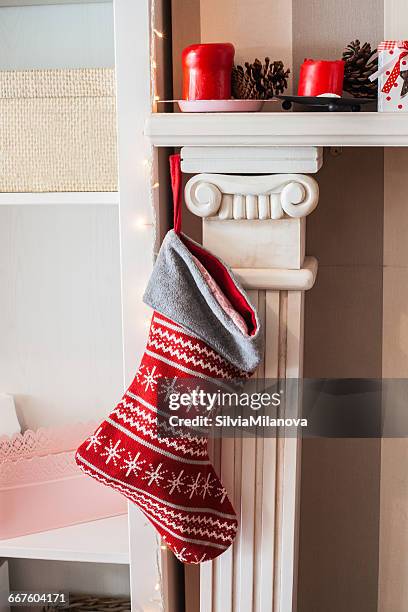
251, 197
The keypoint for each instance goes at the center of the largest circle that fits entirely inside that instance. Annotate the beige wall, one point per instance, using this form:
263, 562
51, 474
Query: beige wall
256, 28
393, 567
186, 31
322, 28
338, 566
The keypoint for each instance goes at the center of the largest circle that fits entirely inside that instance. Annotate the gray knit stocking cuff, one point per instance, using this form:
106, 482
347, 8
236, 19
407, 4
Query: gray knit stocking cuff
178, 290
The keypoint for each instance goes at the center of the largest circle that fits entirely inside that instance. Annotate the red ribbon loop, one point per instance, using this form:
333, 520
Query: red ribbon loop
175, 173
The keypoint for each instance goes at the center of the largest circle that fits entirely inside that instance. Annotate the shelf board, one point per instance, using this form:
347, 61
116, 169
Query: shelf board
278, 129
6, 3
102, 541
60, 198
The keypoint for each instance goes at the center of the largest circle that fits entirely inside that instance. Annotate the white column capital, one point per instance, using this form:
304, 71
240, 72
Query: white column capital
254, 222
251, 197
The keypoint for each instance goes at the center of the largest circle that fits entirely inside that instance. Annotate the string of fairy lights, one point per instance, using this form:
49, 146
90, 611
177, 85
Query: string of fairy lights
155, 37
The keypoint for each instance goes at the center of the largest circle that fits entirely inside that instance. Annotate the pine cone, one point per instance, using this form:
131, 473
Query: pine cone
359, 66
243, 87
259, 81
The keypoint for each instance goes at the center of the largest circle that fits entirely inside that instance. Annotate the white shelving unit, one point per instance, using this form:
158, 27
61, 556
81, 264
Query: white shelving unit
280, 129
4, 3
46, 238
105, 198
103, 541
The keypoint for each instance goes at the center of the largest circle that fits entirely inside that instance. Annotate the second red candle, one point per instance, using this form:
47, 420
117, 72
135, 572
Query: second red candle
321, 77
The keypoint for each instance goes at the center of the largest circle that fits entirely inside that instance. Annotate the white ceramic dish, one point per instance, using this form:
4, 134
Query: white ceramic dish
220, 106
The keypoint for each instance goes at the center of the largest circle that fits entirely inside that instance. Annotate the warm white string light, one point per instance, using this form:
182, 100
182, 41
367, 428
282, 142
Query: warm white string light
141, 225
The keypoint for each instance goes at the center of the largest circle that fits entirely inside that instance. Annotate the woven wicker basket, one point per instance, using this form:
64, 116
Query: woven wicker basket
58, 130
93, 603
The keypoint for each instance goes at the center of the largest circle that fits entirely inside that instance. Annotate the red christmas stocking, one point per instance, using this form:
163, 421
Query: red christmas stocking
199, 331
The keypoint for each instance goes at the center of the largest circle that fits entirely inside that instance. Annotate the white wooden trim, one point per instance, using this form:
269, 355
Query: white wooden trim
278, 129
251, 160
60, 198
103, 541
5, 3
279, 279
132, 48
259, 573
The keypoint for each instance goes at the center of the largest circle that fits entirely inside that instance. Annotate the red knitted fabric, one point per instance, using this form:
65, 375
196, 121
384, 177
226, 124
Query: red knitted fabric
171, 480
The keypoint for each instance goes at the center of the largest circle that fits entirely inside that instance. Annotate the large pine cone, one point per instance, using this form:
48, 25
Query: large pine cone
359, 66
259, 81
243, 87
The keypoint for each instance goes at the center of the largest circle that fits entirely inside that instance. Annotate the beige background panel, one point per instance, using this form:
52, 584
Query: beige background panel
350, 209
395, 19
340, 532
396, 207
322, 28
393, 591
257, 28
343, 336
186, 31
393, 565
395, 341
343, 324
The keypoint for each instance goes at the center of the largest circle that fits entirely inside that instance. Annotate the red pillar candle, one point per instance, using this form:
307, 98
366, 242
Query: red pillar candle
207, 71
321, 77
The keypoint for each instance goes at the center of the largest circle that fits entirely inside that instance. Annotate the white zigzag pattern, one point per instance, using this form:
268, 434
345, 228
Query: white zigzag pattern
185, 529
188, 344
170, 443
125, 490
196, 347
174, 352
130, 420
144, 414
195, 518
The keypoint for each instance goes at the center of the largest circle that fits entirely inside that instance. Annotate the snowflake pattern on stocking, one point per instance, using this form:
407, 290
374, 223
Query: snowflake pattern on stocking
167, 387
180, 554
169, 477
194, 486
221, 493
132, 465
95, 440
175, 483
139, 372
208, 486
150, 379
112, 452
189, 404
154, 475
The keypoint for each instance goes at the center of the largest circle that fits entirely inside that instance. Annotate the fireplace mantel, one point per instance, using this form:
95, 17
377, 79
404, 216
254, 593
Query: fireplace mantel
278, 129
253, 202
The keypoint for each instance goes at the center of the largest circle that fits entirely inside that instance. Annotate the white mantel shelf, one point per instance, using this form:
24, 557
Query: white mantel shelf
278, 129
102, 541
